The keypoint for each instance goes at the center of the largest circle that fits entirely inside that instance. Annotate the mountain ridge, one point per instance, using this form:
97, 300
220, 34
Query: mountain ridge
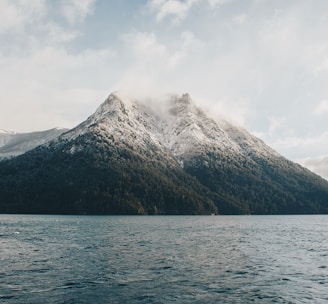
132, 158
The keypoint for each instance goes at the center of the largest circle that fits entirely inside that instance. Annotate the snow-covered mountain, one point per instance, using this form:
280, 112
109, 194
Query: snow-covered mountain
13, 144
134, 157
177, 126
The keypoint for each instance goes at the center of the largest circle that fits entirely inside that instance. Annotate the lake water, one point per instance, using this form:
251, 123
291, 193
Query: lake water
164, 259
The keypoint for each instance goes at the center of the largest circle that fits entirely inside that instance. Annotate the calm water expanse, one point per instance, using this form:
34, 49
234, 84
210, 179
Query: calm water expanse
171, 259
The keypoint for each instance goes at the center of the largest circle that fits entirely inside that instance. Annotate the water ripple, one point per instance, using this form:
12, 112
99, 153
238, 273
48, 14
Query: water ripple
254, 259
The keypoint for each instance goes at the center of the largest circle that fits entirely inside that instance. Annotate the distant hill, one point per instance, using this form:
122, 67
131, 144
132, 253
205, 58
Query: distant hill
13, 144
131, 157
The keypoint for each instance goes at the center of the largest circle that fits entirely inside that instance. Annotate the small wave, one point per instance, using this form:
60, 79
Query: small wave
285, 279
9, 297
71, 285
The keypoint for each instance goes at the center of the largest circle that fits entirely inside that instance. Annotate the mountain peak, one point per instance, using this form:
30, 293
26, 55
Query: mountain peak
112, 103
113, 106
182, 99
185, 98
181, 105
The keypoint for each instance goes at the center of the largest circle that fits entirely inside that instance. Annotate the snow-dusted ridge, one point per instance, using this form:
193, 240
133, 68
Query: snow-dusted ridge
174, 124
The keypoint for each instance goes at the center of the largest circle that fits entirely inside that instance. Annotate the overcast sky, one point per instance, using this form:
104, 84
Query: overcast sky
262, 63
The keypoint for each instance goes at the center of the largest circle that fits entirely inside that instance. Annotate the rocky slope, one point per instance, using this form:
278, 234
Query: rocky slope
135, 158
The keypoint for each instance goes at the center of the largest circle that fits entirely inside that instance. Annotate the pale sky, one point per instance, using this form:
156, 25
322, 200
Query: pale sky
261, 63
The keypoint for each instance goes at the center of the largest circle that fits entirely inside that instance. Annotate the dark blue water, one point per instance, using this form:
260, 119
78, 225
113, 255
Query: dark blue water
218, 259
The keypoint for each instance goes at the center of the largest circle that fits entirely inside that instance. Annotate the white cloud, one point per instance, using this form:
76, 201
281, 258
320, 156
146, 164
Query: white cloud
16, 14
51, 87
57, 34
322, 65
322, 107
240, 19
28, 25
145, 46
233, 111
188, 43
42, 84
275, 124
217, 3
147, 59
178, 9
298, 147
318, 165
152, 63
76, 10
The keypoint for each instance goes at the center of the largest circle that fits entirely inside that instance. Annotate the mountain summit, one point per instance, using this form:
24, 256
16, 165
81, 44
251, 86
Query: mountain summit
131, 157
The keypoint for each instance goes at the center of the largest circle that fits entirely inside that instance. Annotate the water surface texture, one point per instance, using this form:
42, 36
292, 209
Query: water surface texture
168, 259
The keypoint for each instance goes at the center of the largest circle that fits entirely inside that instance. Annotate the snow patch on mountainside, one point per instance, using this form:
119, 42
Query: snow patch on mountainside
127, 123
187, 127
247, 143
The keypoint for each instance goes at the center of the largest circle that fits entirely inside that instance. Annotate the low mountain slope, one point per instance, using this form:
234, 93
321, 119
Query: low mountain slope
131, 158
